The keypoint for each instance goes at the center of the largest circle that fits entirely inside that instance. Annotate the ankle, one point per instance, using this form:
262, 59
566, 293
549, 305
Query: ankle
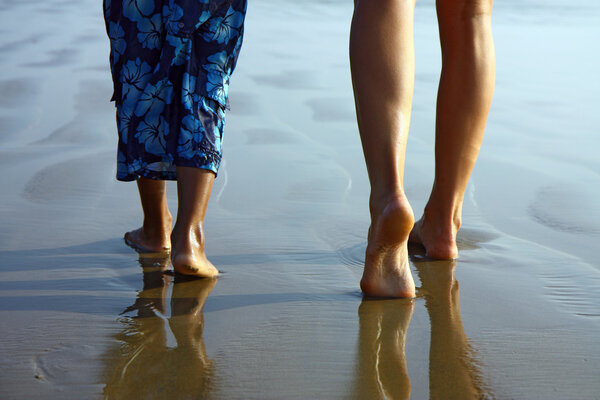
391, 201
445, 218
158, 219
190, 234
392, 219
156, 229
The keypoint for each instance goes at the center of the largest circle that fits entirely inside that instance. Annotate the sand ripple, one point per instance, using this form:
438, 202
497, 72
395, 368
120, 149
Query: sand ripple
572, 209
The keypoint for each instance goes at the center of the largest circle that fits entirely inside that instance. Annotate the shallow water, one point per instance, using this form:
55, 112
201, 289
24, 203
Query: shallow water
83, 317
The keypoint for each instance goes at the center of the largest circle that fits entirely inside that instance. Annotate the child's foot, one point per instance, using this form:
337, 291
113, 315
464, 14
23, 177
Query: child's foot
188, 257
142, 242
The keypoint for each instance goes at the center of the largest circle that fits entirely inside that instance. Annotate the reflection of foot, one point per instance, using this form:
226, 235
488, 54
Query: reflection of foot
188, 255
187, 319
145, 358
453, 371
189, 295
439, 242
437, 280
381, 369
152, 298
192, 370
387, 272
142, 242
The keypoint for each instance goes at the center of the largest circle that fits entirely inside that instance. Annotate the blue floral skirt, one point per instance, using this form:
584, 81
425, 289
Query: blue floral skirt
171, 61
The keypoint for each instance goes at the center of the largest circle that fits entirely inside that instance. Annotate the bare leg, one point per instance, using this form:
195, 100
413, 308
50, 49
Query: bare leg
464, 99
194, 186
382, 63
154, 235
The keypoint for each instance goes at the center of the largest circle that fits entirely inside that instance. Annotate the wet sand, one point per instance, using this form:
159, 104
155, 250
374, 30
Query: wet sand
84, 317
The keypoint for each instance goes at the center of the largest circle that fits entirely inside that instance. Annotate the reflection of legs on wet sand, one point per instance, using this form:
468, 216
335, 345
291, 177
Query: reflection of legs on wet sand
128, 367
152, 297
187, 325
381, 367
146, 365
453, 373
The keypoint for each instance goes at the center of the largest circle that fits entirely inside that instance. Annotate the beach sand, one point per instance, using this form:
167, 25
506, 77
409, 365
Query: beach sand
84, 317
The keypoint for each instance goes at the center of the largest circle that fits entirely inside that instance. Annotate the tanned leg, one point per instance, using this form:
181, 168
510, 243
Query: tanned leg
382, 64
154, 235
464, 99
194, 186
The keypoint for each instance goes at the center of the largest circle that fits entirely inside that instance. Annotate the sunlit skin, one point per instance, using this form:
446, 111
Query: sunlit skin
186, 240
154, 234
382, 64
464, 100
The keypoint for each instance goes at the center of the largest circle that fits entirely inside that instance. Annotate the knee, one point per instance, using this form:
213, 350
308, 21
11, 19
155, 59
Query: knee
463, 21
475, 9
386, 3
464, 13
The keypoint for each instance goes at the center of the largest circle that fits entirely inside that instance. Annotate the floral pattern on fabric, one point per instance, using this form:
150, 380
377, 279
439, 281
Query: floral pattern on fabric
171, 61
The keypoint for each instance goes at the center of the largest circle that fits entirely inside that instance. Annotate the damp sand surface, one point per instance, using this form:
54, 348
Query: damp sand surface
516, 317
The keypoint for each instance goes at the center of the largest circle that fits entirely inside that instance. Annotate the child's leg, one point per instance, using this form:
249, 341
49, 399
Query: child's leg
154, 235
194, 186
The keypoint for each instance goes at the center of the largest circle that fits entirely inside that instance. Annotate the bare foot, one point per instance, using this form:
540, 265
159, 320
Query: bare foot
142, 242
188, 256
387, 272
439, 241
